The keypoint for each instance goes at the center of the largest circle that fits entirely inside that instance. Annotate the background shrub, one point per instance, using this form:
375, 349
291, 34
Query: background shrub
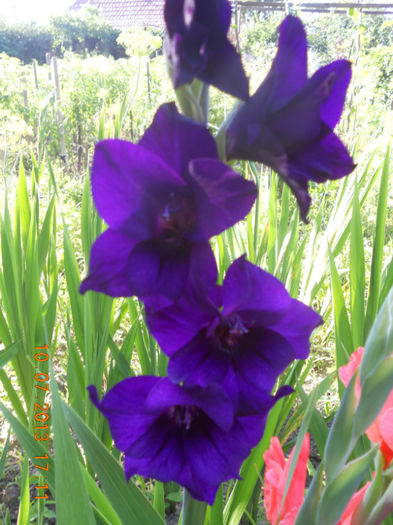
85, 32
26, 42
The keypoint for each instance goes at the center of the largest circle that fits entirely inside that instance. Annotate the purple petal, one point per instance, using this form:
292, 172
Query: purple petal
177, 140
158, 453
328, 159
289, 69
248, 398
156, 269
238, 442
166, 466
126, 178
211, 400
200, 279
199, 47
288, 73
123, 407
224, 70
184, 67
223, 196
203, 273
294, 123
93, 396
299, 122
262, 355
199, 362
298, 183
250, 138
254, 293
176, 325
254, 426
340, 74
215, 14
174, 20
297, 325
108, 265
199, 488
310, 113
252, 401
207, 457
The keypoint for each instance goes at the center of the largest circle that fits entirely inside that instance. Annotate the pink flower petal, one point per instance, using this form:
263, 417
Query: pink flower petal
353, 505
275, 479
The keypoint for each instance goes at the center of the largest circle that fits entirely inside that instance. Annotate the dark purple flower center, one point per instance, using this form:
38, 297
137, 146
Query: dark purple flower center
229, 331
183, 416
177, 216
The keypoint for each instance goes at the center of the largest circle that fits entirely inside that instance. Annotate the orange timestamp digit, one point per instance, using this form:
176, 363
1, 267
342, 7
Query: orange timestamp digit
41, 379
41, 415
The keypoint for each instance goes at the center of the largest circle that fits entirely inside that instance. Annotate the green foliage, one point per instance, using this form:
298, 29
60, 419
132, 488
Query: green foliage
85, 32
259, 36
352, 420
377, 66
140, 42
330, 36
28, 279
26, 42
91, 89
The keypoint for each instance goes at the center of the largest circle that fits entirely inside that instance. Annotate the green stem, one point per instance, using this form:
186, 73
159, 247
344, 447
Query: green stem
221, 133
193, 511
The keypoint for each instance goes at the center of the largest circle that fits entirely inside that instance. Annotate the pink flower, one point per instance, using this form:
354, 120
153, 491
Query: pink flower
381, 431
353, 505
276, 473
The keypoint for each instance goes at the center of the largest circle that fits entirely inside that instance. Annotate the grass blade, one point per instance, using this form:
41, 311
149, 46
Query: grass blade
32, 447
377, 258
8, 353
357, 273
69, 480
24, 499
127, 500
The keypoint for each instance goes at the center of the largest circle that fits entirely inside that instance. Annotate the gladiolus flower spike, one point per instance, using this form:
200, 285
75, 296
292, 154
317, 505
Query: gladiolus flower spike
242, 337
198, 46
276, 473
171, 433
381, 430
163, 199
288, 123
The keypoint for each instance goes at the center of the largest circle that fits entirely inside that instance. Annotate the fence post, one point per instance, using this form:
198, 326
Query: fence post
35, 73
60, 117
24, 92
48, 58
148, 79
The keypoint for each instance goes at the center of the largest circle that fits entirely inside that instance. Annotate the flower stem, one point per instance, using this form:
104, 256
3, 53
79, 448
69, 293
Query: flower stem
193, 511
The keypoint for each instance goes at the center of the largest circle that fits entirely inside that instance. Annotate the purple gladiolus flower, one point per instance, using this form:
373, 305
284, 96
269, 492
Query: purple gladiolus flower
162, 199
243, 337
170, 433
288, 123
198, 45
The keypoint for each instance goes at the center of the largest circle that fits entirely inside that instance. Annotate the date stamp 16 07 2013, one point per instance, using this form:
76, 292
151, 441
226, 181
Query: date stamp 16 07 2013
41, 415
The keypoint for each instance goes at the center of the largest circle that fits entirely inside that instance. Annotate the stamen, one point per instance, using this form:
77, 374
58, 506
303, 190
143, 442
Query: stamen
229, 331
183, 416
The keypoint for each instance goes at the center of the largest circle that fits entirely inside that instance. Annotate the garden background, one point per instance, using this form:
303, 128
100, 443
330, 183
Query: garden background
109, 84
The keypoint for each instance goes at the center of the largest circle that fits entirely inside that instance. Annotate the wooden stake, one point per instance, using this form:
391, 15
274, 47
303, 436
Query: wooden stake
60, 117
48, 58
35, 73
148, 79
